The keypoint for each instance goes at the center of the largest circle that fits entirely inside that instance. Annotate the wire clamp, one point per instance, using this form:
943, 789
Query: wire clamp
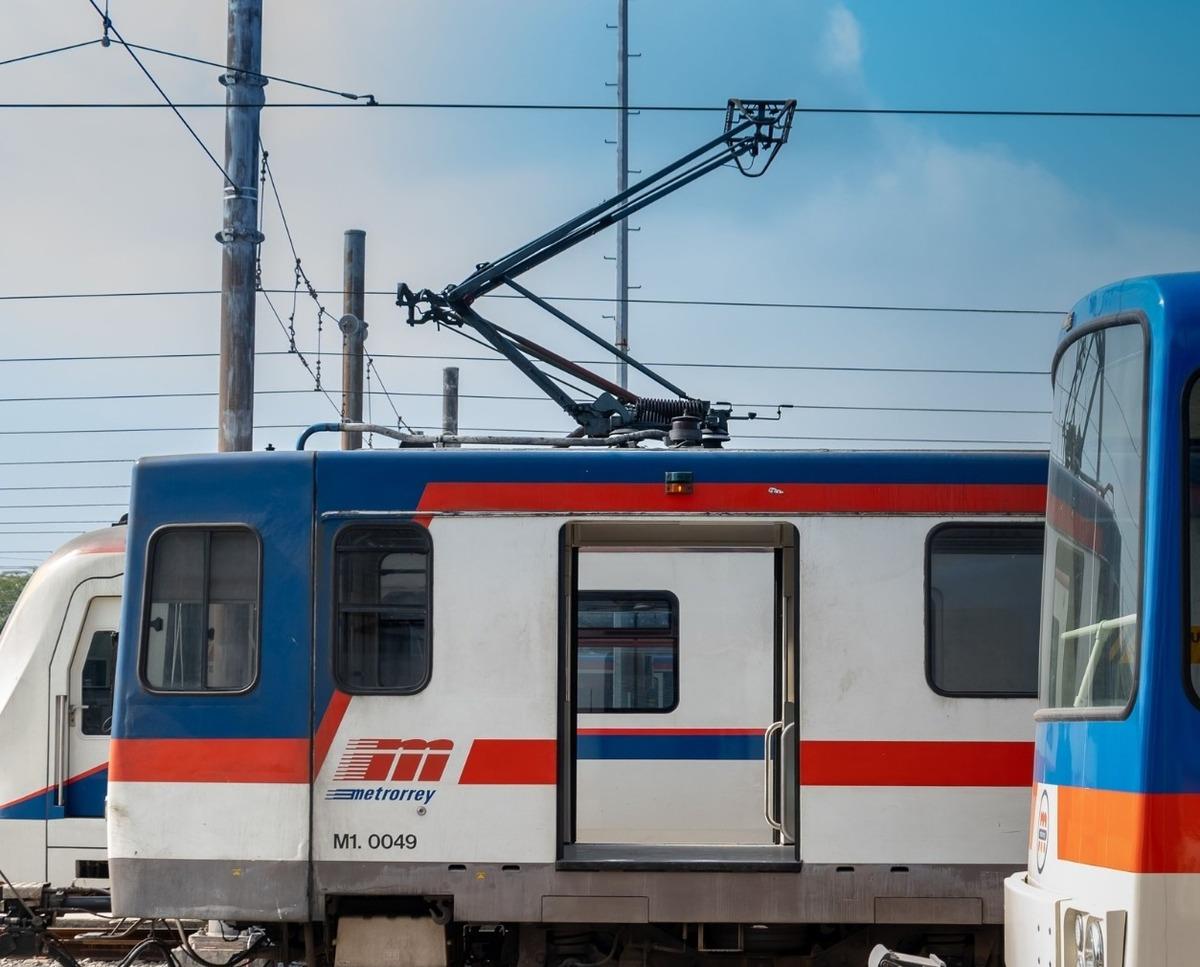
226, 237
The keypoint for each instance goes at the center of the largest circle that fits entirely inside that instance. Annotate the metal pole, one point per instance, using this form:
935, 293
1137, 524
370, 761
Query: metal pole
239, 236
450, 402
622, 309
354, 332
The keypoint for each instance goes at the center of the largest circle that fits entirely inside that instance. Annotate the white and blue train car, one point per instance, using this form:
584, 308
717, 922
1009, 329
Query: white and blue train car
739, 696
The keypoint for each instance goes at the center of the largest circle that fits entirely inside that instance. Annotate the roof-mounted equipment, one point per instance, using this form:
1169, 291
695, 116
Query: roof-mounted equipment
754, 133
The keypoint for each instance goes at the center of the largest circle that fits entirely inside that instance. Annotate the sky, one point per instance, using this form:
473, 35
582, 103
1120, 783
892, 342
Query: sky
858, 210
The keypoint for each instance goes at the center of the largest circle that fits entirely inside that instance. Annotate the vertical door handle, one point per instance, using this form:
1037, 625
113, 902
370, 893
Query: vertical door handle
769, 773
788, 835
61, 711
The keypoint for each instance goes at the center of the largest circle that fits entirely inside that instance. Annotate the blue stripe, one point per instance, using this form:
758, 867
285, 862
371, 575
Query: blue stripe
732, 747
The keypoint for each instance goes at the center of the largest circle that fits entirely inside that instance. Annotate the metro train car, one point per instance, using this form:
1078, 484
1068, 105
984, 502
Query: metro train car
57, 660
1113, 866
549, 706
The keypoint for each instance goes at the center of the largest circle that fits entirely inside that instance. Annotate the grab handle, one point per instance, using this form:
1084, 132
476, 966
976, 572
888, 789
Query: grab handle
769, 774
60, 749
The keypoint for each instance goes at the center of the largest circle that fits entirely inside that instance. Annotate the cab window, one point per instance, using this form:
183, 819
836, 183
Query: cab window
1092, 566
383, 602
201, 627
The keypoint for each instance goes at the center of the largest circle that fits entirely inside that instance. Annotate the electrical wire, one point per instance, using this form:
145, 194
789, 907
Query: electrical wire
369, 98
645, 108
108, 25
717, 303
586, 362
47, 53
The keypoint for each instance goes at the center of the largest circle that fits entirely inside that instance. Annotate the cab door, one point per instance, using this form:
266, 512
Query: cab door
80, 713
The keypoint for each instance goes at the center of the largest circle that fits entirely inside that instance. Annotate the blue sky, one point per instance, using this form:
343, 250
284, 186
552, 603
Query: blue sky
990, 212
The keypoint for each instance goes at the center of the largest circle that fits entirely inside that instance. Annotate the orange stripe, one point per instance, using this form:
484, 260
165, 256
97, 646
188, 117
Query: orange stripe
209, 760
737, 498
1136, 832
510, 762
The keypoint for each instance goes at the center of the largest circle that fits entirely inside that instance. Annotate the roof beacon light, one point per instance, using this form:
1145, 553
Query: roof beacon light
679, 482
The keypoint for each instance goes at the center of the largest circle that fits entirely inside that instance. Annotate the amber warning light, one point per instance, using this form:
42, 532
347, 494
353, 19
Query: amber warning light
679, 482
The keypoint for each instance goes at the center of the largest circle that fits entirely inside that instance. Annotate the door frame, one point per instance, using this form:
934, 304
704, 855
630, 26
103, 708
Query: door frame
59, 693
656, 533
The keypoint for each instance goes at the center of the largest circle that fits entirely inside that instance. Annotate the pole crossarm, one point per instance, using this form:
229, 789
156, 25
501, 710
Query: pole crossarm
754, 133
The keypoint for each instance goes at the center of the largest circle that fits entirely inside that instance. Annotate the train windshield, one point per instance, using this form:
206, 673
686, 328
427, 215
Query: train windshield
1193, 534
1092, 564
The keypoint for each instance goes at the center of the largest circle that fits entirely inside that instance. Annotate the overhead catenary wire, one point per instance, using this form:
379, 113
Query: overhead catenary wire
501, 397
716, 303
786, 367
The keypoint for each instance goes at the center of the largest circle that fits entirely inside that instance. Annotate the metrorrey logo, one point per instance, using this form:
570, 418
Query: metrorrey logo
391, 761
1043, 830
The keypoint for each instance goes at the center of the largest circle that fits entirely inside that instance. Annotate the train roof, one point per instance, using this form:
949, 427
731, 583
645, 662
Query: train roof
632, 466
1167, 302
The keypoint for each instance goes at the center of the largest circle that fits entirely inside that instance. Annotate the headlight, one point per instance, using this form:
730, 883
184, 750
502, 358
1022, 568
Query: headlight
1080, 938
1093, 946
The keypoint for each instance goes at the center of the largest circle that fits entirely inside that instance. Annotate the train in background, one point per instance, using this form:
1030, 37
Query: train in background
546, 703
1113, 870
57, 663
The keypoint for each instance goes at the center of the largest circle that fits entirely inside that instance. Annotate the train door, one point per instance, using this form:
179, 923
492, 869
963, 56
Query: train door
680, 716
80, 710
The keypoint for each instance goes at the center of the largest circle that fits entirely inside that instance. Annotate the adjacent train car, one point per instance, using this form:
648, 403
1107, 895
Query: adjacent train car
57, 661
578, 701
1113, 877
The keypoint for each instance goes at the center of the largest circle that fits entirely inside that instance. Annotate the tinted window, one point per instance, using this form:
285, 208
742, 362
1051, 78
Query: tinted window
202, 621
97, 685
984, 589
383, 605
1091, 577
628, 651
1192, 536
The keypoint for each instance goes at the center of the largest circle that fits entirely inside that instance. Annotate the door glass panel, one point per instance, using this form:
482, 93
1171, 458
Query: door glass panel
97, 684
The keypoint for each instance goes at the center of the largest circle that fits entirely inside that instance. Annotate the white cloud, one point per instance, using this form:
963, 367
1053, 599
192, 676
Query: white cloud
841, 45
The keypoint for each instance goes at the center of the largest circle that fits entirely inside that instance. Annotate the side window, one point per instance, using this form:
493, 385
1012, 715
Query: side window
202, 618
982, 609
97, 685
628, 651
382, 608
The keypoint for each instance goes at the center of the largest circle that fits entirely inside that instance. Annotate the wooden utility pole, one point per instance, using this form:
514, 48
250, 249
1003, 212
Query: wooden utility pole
450, 401
239, 235
354, 332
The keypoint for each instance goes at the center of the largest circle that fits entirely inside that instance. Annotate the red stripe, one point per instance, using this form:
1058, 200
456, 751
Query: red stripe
510, 762
209, 760
784, 498
825, 763
669, 731
334, 713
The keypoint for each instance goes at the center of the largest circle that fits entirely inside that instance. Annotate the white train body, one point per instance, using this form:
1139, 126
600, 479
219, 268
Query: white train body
57, 653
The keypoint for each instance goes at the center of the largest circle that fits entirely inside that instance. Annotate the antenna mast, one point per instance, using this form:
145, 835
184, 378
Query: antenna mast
622, 309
